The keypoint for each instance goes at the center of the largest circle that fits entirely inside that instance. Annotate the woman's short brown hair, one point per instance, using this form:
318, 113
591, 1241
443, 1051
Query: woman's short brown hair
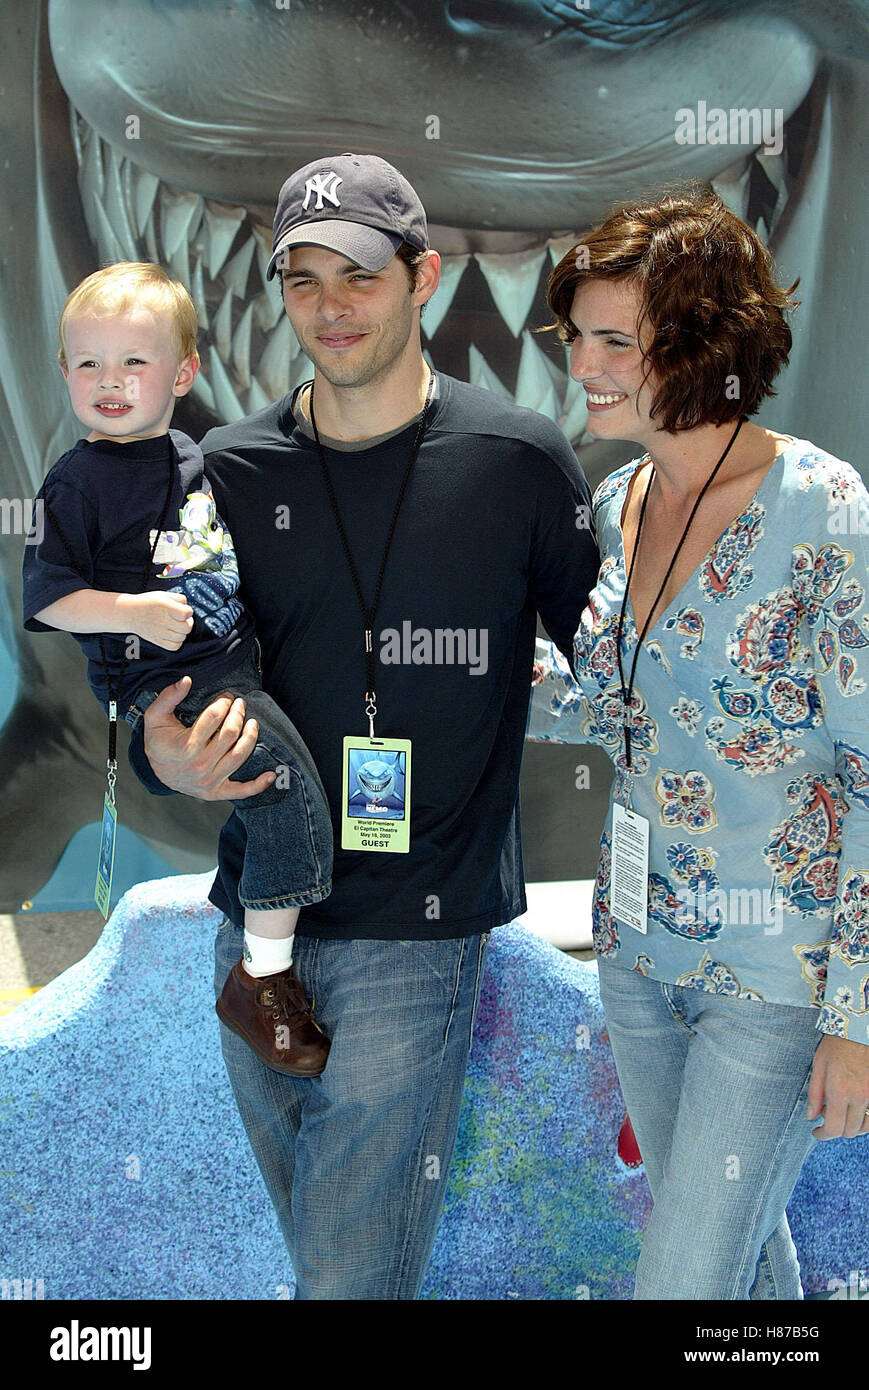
707, 283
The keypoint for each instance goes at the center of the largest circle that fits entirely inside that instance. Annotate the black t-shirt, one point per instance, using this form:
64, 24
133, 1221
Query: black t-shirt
107, 496
494, 527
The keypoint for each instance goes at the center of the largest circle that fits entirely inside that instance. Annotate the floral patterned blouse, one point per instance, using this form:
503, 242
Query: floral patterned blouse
750, 746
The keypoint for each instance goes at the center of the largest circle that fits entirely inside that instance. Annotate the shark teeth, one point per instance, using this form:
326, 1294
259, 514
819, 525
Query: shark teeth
203, 393
221, 327
256, 398
221, 224
263, 244
481, 374
104, 234
146, 191
756, 189
250, 354
732, 185
90, 176
118, 187
559, 247
234, 273
180, 214
273, 372
452, 270
227, 404
512, 281
535, 384
178, 264
197, 294
267, 309
241, 348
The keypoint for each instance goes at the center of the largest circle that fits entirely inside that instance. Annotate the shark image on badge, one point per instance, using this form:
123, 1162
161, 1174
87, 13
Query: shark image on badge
376, 795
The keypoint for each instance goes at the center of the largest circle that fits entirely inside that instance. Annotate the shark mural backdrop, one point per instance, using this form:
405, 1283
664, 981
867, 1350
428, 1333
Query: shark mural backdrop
162, 130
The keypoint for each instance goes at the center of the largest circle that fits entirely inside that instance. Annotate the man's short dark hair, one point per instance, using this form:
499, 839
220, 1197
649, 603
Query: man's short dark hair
412, 259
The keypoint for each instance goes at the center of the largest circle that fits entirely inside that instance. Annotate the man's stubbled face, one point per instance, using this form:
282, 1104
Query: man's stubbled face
352, 324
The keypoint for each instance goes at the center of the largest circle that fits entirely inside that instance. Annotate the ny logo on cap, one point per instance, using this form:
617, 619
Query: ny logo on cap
324, 185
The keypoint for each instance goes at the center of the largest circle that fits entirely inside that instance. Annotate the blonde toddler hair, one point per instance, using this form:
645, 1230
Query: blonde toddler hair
128, 285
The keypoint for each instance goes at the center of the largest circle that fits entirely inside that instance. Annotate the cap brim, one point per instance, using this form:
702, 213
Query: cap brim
367, 247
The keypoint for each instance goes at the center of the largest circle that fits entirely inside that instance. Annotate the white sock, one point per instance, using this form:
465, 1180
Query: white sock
265, 955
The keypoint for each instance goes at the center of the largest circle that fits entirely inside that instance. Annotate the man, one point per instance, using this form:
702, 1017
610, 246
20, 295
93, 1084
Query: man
396, 532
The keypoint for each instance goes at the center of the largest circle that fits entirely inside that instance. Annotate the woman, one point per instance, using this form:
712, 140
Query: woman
719, 664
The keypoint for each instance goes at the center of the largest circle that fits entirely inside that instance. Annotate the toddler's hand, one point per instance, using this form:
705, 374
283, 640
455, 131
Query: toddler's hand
164, 619
538, 673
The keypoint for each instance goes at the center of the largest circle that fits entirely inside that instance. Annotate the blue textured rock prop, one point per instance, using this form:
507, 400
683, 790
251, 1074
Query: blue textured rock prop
126, 1173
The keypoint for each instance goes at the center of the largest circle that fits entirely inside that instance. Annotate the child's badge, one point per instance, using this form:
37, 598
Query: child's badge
375, 794
106, 864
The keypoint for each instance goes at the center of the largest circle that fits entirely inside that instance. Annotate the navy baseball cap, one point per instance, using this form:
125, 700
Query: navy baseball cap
355, 204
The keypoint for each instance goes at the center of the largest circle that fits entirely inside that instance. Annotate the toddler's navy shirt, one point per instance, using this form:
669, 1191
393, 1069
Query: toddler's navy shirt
108, 497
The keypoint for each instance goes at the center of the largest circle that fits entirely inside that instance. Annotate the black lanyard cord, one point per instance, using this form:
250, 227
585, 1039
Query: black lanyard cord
369, 615
628, 694
113, 682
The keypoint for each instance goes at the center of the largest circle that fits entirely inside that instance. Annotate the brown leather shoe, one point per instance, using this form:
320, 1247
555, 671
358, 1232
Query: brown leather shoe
274, 1018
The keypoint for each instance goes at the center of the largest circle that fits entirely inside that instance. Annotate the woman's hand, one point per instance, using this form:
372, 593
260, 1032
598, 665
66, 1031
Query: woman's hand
840, 1088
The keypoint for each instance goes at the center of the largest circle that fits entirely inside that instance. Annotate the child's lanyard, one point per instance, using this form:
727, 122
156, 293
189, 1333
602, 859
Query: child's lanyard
113, 685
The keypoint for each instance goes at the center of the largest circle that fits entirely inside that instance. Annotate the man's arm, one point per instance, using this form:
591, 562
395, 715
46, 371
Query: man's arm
563, 571
557, 711
564, 558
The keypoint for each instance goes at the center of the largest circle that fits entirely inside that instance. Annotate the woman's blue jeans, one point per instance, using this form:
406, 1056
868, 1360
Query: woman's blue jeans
356, 1160
716, 1089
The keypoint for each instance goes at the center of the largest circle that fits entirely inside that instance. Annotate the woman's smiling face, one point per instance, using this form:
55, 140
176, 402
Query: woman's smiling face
606, 357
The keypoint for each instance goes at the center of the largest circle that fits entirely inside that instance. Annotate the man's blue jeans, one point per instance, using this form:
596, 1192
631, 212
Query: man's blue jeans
356, 1160
716, 1089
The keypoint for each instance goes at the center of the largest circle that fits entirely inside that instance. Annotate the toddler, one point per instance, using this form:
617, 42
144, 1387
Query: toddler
149, 605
